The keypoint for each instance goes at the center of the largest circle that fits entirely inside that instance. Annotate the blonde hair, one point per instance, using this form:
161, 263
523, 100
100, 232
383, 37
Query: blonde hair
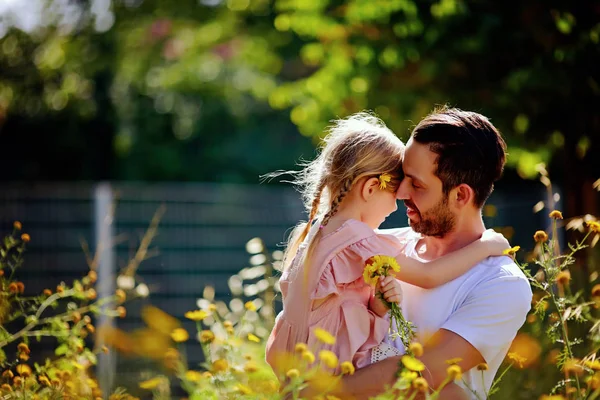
355, 147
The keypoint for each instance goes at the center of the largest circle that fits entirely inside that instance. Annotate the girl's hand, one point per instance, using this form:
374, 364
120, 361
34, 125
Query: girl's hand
390, 288
495, 242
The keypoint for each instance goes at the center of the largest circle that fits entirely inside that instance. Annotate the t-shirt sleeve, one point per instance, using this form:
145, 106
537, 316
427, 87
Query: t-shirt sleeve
491, 314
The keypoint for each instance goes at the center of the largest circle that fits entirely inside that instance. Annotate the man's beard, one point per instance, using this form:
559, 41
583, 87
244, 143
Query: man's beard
437, 221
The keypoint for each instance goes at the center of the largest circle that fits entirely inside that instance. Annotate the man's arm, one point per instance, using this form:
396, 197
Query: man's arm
443, 345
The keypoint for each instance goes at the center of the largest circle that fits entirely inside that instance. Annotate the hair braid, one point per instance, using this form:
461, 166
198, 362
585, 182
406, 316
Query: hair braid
335, 204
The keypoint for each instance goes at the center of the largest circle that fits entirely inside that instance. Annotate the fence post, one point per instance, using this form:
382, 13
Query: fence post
105, 286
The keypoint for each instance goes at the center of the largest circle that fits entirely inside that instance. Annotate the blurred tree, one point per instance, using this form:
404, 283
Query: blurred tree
532, 67
178, 90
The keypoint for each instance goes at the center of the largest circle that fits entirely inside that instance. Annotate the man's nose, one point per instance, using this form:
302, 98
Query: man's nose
402, 192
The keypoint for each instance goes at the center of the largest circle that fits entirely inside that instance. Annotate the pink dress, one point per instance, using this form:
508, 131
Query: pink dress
336, 273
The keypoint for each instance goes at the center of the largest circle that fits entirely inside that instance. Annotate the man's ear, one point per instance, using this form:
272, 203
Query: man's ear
462, 195
370, 186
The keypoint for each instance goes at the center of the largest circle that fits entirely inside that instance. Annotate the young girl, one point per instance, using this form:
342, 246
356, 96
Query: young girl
349, 190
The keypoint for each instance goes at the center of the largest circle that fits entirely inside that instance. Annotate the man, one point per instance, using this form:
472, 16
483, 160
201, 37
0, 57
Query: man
450, 164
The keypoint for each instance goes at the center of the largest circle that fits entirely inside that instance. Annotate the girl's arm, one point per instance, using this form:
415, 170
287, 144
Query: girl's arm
444, 269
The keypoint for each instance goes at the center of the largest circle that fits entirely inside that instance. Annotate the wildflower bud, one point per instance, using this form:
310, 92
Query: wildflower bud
227, 324
308, 356
25, 238
553, 318
13, 288
300, 347
60, 289
23, 348
91, 294
105, 349
596, 291
8, 374
17, 381
563, 277
87, 319
573, 367
454, 372
121, 311
328, 358
230, 331
250, 306
220, 365
17, 225
420, 384
250, 367
79, 348
93, 276
416, 348
47, 292
556, 214
531, 318
20, 287
540, 237
76, 317
207, 336
293, 373
121, 296
347, 368
212, 308
23, 357
6, 387
482, 367
90, 328
44, 380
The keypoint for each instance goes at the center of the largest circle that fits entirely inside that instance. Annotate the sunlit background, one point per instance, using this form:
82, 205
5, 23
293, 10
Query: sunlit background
112, 111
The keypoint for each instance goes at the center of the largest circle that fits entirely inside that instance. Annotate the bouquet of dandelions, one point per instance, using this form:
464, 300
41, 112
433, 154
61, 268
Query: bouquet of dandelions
376, 267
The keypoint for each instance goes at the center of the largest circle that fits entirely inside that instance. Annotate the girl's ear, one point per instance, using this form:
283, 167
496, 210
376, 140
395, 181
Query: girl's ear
462, 195
370, 186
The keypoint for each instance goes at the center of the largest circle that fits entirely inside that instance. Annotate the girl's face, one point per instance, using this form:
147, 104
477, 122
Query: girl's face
379, 205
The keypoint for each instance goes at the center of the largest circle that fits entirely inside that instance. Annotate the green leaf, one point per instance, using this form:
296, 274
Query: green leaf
61, 350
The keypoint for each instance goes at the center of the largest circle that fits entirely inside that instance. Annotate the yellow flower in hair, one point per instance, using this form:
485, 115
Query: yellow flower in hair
384, 179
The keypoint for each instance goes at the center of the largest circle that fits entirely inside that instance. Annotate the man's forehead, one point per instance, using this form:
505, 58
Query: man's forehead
418, 161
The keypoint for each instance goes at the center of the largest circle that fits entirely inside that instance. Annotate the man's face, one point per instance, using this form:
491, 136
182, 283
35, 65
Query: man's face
426, 205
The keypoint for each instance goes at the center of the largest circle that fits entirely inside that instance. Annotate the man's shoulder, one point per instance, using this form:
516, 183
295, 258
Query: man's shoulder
501, 274
501, 267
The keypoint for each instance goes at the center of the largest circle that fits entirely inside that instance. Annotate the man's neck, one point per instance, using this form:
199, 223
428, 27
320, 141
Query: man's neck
431, 247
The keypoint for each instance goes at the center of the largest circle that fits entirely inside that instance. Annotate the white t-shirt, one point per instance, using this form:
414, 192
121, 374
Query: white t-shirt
486, 306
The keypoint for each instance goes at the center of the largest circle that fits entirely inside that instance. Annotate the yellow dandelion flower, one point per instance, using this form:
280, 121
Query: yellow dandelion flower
563, 277
308, 356
594, 226
556, 214
250, 367
482, 367
301, 347
384, 179
347, 368
328, 358
454, 372
293, 373
197, 315
416, 349
6, 387
573, 366
193, 376
220, 365
243, 389
595, 365
206, 336
413, 364
17, 225
180, 335
519, 360
379, 265
408, 375
151, 383
25, 238
250, 306
540, 237
324, 336
253, 338
24, 370
512, 251
420, 384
